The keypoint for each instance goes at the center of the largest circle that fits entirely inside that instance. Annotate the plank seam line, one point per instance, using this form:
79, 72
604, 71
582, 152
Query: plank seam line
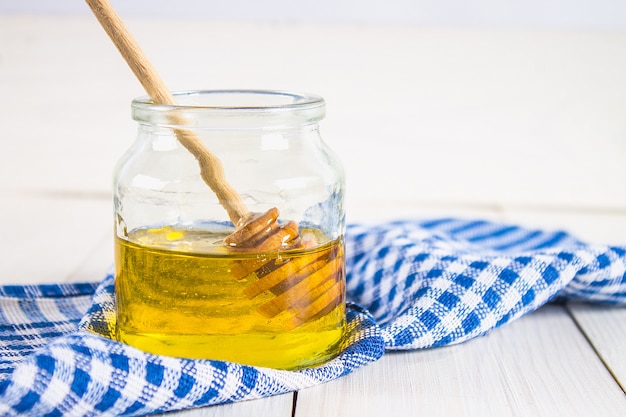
595, 349
293, 404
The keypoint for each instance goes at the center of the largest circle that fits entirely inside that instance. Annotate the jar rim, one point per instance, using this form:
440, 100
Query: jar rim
232, 109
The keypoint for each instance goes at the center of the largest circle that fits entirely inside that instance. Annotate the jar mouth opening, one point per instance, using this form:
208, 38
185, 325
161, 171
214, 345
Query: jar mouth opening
231, 108
245, 100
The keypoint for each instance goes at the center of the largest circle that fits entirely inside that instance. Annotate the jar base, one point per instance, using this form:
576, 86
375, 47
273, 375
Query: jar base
288, 351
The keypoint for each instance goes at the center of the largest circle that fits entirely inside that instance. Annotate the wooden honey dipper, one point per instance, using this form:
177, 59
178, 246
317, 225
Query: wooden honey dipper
308, 287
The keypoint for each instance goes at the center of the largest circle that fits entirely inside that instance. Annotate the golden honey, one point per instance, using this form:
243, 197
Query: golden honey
181, 292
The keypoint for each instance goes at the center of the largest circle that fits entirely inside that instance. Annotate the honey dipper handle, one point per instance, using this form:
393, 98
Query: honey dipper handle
211, 169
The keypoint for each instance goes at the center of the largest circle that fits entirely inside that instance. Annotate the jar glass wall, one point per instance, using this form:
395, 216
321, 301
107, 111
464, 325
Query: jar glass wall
183, 288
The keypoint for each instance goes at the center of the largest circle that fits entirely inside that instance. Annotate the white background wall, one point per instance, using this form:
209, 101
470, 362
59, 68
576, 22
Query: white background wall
550, 14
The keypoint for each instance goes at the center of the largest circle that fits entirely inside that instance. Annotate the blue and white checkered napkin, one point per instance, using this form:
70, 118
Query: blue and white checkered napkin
410, 285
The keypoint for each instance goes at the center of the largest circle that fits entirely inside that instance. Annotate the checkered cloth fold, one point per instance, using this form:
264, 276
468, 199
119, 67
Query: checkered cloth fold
410, 285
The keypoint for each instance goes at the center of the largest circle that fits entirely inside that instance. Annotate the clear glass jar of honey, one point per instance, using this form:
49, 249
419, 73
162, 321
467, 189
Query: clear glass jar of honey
264, 286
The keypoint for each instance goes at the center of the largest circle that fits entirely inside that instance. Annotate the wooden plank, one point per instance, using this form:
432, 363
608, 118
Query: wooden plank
373, 211
605, 327
277, 406
539, 365
52, 239
98, 260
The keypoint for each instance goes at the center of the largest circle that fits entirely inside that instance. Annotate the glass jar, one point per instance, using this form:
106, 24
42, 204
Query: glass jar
195, 276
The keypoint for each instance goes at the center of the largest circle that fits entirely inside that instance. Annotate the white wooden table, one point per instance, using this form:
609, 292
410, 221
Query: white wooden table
518, 126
